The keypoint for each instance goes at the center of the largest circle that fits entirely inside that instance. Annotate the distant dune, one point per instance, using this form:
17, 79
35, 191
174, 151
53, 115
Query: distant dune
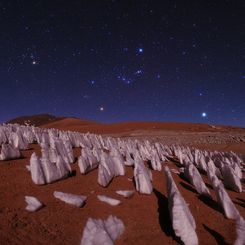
122, 128
205, 136
130, 127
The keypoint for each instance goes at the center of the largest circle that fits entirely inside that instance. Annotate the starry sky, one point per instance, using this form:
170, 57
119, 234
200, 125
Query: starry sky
124, 60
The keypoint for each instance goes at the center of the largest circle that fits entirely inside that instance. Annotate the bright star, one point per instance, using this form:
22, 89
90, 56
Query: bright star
204, 114
34, 62
140, 50
101, 108
92, 82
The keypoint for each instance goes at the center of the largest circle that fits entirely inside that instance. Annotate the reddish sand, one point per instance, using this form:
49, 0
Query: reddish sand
145, 216
122, 129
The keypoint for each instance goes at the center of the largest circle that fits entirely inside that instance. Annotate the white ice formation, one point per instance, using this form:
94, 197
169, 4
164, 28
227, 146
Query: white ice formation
9, 152
240, 230
192, 174
43, 171
231, 178
87, 161
109, 200
125, 193
102, 232
17, 140
224, 200
183, 222
76, 200
33, 204
111, 165
142, 177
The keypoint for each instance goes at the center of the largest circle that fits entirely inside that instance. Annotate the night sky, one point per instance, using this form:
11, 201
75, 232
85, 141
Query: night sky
114, 61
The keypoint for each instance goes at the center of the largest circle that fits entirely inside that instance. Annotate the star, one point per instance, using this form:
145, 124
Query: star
101, 108
124, 79
204, 114
92, 82
34, 62
140, 50
138, 72
86, 96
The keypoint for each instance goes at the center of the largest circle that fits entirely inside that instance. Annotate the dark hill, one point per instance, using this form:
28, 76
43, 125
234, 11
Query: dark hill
35, 120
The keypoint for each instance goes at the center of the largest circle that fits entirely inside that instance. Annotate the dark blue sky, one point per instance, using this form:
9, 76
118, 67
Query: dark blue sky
124, 60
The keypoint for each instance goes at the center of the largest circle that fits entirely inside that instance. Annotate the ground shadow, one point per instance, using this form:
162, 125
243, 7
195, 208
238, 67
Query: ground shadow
240, 204
201, 171
175, 161
188, 187
211, 203
134, 182
219, 238
28, 149
73, 173
149, 165
209, 186
164, 217
14, 159
240, 199
182, 176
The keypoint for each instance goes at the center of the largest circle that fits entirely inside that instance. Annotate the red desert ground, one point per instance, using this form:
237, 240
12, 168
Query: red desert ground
186, 182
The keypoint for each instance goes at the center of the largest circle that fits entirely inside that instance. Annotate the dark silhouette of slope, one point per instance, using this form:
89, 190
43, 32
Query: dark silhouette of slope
35, 120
